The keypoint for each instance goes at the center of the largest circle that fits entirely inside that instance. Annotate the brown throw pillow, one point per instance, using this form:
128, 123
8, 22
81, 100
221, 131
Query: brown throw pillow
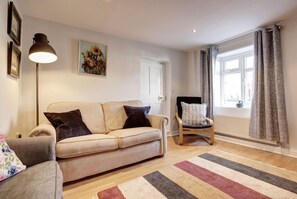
137, 117
68, 124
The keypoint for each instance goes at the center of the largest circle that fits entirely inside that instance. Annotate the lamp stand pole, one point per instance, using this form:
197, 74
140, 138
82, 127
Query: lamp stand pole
37, 95
37, 53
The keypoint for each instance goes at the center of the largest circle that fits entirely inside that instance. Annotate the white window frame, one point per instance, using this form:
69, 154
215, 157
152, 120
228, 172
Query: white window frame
242, 70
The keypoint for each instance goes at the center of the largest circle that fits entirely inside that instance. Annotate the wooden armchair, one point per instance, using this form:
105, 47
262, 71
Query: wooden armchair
207, 128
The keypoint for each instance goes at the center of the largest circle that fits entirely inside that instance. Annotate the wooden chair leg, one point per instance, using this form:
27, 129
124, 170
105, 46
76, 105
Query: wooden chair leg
181, 136
211, 135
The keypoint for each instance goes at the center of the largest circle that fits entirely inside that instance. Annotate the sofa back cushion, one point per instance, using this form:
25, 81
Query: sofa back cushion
91, 112
115, 115
68, 124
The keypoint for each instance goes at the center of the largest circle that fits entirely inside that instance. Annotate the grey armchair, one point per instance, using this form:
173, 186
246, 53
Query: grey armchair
42, 178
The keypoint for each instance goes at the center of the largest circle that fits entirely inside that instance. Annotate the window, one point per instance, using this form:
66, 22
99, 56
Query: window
234, 78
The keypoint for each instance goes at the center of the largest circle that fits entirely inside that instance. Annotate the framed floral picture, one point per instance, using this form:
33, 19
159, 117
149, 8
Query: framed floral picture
14, 60
92, 58
14, 24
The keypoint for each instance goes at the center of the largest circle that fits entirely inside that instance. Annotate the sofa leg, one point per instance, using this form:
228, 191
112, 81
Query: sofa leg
161, 156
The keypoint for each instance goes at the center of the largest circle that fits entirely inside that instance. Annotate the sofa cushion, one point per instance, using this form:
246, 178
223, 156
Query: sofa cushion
193, 114
115, 115
10, 164
135, 136
91, 112
43, 180
137, 117
85, 145
68, 124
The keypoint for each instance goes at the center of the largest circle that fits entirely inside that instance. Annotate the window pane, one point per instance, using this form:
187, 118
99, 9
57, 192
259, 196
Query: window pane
217, 84
232, 88
249, 62
232, 64
249, 86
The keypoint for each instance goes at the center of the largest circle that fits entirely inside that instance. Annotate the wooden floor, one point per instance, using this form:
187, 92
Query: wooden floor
87, 188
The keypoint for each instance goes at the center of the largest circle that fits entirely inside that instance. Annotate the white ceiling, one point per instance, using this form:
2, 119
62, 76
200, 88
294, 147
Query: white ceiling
166, 23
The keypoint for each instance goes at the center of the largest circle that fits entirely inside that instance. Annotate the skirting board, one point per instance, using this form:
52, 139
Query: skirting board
264, 147
250, 139
172, 133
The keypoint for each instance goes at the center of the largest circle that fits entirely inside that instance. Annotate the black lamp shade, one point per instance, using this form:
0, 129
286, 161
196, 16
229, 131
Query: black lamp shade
41, 51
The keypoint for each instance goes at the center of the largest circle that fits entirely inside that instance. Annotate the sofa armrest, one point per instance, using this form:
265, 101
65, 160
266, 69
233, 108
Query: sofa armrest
160, 122
33, 150
44, 129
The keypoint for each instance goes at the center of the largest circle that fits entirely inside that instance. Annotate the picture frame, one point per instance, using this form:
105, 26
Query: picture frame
92, 58
14, 60
14, 25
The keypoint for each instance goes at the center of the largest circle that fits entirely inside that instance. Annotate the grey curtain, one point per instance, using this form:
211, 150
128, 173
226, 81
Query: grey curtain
207, 62
268, 113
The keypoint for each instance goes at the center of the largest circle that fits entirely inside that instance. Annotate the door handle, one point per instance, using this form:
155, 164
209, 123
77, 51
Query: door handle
160, 97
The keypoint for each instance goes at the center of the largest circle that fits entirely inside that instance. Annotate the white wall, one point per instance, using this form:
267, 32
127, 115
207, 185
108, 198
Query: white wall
289, 48
60, 81
9, 86
192, 77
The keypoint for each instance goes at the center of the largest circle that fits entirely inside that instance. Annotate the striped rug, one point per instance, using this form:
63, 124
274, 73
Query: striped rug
215, 174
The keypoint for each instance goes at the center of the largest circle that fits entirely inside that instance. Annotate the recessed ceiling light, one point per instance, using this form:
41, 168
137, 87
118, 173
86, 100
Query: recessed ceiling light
194, 30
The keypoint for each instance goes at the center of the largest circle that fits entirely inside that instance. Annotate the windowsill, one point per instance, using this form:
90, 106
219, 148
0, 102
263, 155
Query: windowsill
233, 107
233, 111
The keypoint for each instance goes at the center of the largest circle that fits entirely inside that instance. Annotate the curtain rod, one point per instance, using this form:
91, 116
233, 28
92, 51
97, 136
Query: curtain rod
246, 33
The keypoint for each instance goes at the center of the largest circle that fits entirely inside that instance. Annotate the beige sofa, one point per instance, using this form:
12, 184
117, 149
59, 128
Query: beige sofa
109, 146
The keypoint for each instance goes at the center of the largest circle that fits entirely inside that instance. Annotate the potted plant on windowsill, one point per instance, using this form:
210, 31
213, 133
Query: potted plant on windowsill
239, 104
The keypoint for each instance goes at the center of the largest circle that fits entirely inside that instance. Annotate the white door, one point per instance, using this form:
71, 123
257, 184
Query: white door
152, 86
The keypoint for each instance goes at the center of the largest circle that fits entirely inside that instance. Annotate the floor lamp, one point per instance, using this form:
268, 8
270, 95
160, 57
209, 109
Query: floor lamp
41, 52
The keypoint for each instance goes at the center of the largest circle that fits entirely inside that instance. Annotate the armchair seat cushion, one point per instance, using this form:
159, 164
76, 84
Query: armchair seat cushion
134, 136
85, 145
200, 126
43, 180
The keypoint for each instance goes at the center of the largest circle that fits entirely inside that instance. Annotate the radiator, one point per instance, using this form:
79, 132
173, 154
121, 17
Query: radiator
236, 126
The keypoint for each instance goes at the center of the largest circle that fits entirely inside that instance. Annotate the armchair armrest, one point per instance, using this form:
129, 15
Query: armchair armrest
160, 122
210, 121
180, 125
33, 150
44, 129
179, 120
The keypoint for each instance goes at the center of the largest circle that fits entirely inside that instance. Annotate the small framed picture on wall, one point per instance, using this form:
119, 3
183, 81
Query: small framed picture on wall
92, 58
14, 24
14, 60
